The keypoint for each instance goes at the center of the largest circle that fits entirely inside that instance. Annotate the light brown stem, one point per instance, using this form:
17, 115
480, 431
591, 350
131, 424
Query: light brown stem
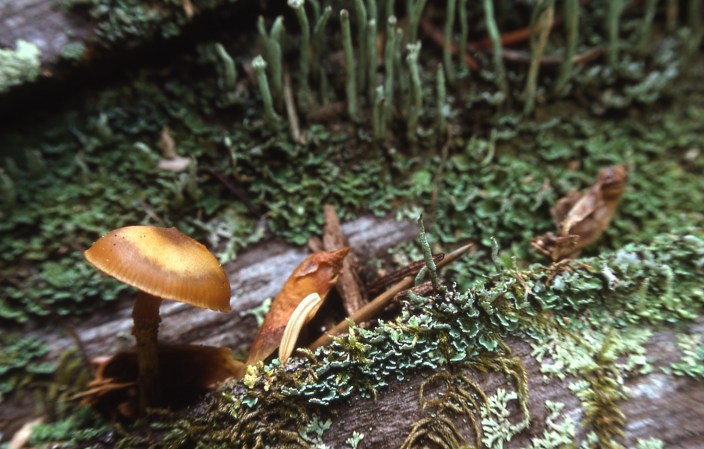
374, 307
146, 327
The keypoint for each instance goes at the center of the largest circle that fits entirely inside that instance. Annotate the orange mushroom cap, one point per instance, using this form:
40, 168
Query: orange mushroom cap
164, 263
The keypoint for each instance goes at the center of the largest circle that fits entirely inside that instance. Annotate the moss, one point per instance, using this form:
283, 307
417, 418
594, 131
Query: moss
19, 66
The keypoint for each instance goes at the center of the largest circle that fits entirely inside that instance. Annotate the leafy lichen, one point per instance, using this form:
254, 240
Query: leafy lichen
18, 66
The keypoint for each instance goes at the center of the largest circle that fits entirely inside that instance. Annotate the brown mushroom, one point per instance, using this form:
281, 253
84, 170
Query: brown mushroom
162, 263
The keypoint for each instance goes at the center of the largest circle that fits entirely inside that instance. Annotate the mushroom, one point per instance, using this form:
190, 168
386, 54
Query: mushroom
162, 263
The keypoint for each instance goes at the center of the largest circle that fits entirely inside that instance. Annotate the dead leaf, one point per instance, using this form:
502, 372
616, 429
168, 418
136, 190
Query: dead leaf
318, 273
582, 217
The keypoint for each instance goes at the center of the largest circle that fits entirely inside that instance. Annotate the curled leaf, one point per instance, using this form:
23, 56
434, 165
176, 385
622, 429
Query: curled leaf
582, 217
299, 318
318, 273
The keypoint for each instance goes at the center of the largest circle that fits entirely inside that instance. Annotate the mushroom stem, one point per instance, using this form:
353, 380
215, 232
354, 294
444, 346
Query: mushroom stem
146, 326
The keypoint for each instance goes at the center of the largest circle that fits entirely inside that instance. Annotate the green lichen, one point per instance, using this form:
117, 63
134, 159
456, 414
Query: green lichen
354, 440
21, 363
650, 443
560, 430
73, 51
692, 361
496, 423
19, 66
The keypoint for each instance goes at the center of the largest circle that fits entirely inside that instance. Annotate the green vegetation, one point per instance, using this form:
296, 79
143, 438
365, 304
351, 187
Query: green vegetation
477, 168
18, 66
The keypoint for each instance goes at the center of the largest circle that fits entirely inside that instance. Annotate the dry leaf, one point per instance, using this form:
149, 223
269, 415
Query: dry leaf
316, 274
582, 217
298, 319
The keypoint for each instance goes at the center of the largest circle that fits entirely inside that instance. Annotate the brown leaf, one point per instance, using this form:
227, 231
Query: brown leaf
582, 217
318, 273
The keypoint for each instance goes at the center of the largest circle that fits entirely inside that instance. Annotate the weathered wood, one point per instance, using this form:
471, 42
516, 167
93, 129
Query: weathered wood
660, 406
44, 23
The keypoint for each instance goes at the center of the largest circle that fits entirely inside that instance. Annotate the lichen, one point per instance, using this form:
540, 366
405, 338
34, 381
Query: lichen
691, 362
20, 65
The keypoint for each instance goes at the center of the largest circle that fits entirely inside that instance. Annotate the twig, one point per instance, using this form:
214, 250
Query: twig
374, 307
291, 113
409, 270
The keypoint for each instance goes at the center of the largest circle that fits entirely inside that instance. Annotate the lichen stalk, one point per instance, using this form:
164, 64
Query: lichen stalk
646, 29
672, 12
414, 9
273, 55
303, 59
350, 81
428, 257
378, 122
571, 24
389, 48
464, 34
541, 24
371, 60
372, 11
442, 99
361, 15
450, 73
319, 36
416, 105
229, 74
259, 67
615, 8
145, 315
493, 30
694, 14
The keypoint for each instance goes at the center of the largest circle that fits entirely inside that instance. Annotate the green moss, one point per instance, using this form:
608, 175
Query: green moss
19, 66
78, 428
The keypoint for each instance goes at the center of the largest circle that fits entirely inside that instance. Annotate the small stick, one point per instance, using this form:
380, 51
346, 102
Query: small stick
349, 285
291, 113
409, 270
374, 307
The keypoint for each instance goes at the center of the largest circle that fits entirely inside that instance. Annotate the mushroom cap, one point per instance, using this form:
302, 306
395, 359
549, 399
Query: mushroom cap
164, 263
